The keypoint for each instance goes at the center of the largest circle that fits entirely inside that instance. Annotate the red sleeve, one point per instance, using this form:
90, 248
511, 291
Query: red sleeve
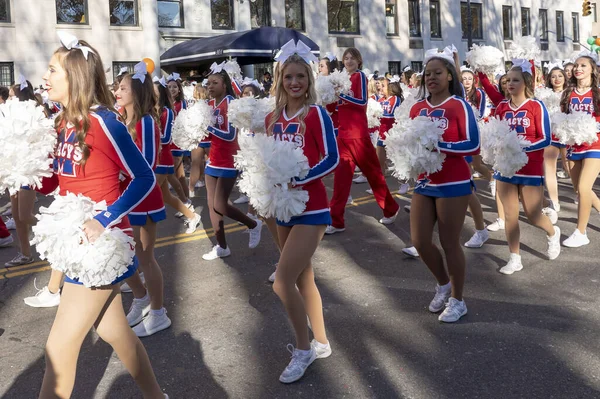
49, 184
495, 96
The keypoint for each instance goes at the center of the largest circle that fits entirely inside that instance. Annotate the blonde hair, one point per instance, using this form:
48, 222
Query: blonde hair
371, 89
281, 97
200, 92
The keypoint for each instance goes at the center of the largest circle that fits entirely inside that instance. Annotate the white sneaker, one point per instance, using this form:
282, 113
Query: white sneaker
349, 200
332, 230
556, 207
192, 224
272, 277
43, 299
199, 184
10, 224
153, 323
492, 187
561, 174
322, 350
455, 309
216, 253
554, 244
191, 193
407, 208
514, 265
255, 234
242, 199
478, 239
390, 220
251, 216
404, 187
360, 179
6, 241
189, 206
476, 175
442, 293
576, 240
19, 260
369, 191
411, 251
298, 365
497, 225
551, 213
139, 308
125, 288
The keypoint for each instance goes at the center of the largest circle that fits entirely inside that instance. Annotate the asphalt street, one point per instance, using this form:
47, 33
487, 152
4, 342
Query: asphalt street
534, 334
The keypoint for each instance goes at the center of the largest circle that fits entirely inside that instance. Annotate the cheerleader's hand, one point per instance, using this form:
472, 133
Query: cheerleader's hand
92, 229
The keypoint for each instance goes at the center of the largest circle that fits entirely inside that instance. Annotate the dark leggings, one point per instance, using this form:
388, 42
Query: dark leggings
218, 190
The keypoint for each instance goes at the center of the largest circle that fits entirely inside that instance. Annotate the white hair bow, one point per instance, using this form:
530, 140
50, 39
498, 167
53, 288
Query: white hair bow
251, 82
395, 79
217, 68
161, 81
330, 56
123, 71
22, 82
139, 71
174, 77
551, 65
291, 48
70, 42
205, 82
522, 63
447, 54
587, 53
464, 68
407, 68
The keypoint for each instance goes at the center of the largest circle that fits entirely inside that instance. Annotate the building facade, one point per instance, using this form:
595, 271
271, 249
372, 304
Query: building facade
390, 33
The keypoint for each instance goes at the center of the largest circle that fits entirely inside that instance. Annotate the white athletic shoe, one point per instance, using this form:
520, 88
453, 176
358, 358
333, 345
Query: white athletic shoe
10, 224
404, 187
478, 239
514, 265
497, 225
476, 175
360, 179
125, 288
6, 241
189, 206
139, 308
192, 224
576, 240
561, 174
390, 220
554, 244
332, 230
43, 299
200, 184
322, 350
492, 187
556, 207
255, 234
153, 323
407, 208
410, 251
455, 309
272, 277
442, 293
369, 191
242, 199
216, 253
551, 213
349, 201
298, 365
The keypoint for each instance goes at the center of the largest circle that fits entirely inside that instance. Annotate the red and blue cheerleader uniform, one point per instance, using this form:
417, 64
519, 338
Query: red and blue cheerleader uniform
147, 139
389, 106
532, 122
356, 149
319, 145
176, 151
112, 152
224, 142
492, 91
460, 139
584, 103
332, 109
165, 158
481, 104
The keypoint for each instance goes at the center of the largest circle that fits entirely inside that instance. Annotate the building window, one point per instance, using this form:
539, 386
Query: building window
416, 66
71, 12
7, 74
222, 14
507, 22
476, 20
391, 17
525, 21
343, 16
575, 17
414, 18
594, 15
170, 13
4, 10
394, 67
560, 26
294, 14
260, 13
123, 12
117, 65
435, 18
543, 25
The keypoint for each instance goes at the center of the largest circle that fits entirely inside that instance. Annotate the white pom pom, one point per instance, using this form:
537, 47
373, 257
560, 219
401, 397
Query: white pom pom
28, 142
59, 239
525, 47
249, 113
374, 113
268, 165
190, 125
188, 93
502, 147
411, 145
550, 98
485, 59
233, 70
575, 128
403, 110
331, 86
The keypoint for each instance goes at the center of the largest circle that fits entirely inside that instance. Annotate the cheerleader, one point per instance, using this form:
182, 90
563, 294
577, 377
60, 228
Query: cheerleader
199, 154
99, 149
356, 149
415, 80
328, 64
569, 70
390, 101
530, 119
443, 196
179, 103
220, 171
300, 237
583, 95
406, 75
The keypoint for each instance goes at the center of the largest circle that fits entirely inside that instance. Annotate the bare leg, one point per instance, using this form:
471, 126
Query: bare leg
550, 160
476, 211
532, 198
509, 195
55, 282
180, 175
481, 168
197, 168
21, 227
145, 238
172, 201
381, 155
587, 198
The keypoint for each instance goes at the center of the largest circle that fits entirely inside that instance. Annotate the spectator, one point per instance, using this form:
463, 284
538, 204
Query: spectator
3, 94
267, 82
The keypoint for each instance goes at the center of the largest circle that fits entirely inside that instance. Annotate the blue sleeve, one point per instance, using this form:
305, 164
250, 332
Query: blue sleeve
227, 135
361, 89
482, 103
149, 149
325, 138
130, 159
168, 128
184, 104
468, 123
542, 121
